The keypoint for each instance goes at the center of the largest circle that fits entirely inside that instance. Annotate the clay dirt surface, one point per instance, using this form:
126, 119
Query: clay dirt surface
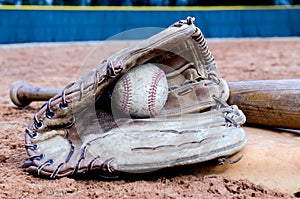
54, 66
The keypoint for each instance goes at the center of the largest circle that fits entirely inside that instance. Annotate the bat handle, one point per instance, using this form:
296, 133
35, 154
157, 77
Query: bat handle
22, 93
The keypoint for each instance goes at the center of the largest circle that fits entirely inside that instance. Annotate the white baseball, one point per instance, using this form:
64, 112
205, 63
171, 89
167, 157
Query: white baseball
141, 92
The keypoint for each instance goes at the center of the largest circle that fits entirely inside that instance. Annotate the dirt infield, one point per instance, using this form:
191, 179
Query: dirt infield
57, 65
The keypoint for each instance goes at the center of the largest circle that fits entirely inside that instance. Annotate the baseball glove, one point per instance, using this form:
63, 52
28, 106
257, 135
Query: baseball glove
76, 132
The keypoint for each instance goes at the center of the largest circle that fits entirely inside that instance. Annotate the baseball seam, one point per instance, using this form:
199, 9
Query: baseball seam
127, 94
153, 90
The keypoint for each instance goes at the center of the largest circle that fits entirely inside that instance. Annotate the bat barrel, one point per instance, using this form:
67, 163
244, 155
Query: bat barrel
268, 102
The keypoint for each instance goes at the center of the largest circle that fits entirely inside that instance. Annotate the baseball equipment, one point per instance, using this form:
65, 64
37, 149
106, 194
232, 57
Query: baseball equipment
141, 92
273, 103
76, 131
22, 93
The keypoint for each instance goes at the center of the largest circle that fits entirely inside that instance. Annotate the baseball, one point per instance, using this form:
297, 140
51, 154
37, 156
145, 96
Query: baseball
141, 92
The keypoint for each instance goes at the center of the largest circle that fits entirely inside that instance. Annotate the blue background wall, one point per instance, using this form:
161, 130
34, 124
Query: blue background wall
50, 24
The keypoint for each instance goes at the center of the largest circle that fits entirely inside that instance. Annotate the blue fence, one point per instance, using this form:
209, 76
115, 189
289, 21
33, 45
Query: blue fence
50, 24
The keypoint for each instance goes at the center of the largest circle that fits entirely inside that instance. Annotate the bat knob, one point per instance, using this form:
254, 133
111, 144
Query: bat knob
14, 93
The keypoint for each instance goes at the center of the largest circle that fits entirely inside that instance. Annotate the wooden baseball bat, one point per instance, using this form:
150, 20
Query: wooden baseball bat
273, 103
22, 93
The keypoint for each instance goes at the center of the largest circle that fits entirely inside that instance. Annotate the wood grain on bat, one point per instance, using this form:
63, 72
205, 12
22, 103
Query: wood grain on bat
268, 102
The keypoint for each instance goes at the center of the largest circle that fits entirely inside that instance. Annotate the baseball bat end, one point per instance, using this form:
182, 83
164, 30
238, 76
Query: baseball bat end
14, 93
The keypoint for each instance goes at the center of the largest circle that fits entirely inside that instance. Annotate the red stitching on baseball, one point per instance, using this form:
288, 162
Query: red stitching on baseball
153, 89
127, 94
